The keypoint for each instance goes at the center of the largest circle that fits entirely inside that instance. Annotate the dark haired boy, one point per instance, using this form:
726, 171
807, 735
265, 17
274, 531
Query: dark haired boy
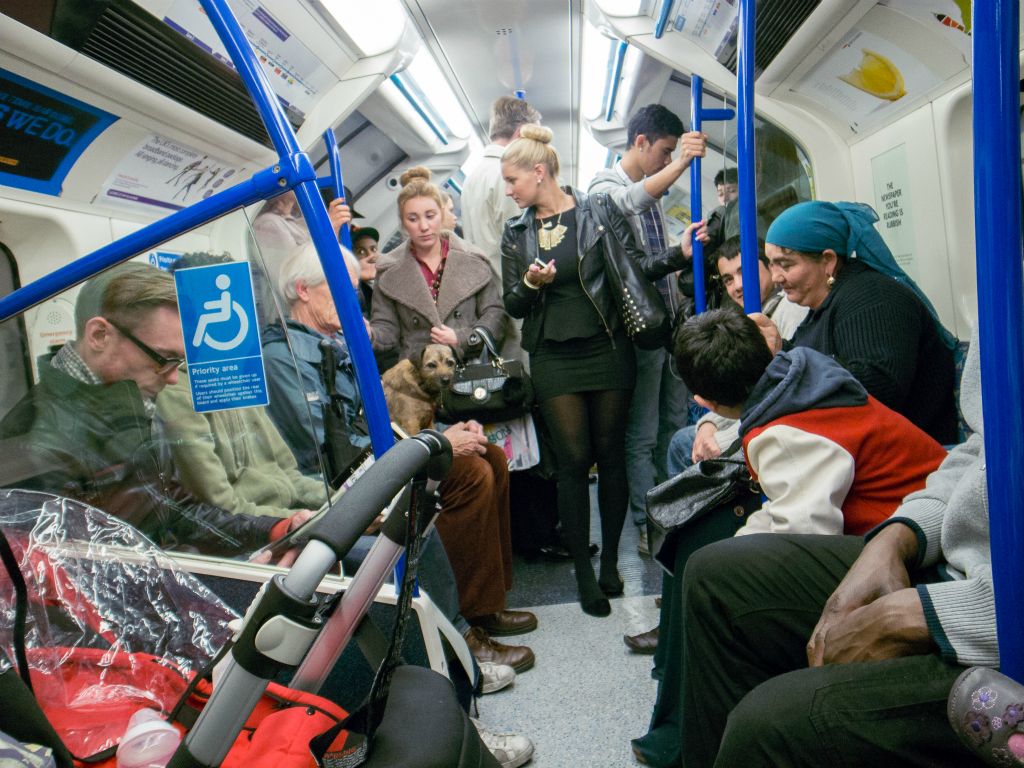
828, 456
636, 184
727, 185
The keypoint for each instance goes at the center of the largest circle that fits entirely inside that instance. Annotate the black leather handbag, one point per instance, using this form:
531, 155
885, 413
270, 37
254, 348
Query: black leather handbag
638, 300
489, 390
711, 486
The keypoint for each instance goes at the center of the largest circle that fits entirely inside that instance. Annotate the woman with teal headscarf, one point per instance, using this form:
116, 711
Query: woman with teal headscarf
866, 312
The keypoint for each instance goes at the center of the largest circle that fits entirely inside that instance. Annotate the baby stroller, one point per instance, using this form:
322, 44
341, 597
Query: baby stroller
100, 624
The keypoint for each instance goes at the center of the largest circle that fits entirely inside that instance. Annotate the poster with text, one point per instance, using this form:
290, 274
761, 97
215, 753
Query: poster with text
709, 23
891, 178
296, 74
163, 173
42, 133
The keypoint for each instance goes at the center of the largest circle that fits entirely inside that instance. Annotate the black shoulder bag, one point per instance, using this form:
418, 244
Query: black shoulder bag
707, 487
340, 455
638, 300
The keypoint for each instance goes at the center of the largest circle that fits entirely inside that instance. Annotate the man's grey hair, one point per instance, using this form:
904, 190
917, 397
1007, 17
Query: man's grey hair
303, 265
508, 114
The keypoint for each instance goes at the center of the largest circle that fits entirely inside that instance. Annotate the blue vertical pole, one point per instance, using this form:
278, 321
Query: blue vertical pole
345, 235
696, 207
997, 237
324, 237
746, 156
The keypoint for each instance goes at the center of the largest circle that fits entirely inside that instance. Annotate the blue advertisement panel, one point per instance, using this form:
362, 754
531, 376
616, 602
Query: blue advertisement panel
42, 133
222, 339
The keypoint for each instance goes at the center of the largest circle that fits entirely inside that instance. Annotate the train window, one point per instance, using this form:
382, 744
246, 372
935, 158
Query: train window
16, 373
112, 420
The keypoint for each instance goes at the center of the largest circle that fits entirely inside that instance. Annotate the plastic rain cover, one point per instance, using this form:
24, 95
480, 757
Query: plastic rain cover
112, 626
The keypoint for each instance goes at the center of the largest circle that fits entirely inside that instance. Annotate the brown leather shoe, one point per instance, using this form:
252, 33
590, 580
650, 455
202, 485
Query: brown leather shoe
483, 648
505, 623
645, 642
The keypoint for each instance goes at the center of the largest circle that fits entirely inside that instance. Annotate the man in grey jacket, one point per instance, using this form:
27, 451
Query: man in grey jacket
874, 633
636, 184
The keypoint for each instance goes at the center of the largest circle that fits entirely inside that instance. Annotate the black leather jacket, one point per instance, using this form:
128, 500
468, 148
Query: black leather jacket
519, 249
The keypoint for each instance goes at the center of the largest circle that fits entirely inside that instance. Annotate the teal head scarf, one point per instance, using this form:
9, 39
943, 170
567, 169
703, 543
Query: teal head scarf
849, 230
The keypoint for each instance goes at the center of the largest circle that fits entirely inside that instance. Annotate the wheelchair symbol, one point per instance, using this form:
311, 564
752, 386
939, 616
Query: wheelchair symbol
223, 308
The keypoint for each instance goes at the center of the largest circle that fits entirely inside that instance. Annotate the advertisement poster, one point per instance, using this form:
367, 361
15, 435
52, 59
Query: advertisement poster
949, 18
222, 338
709, 23
892, 203
295, 73
42, 133
167, 174
863, 77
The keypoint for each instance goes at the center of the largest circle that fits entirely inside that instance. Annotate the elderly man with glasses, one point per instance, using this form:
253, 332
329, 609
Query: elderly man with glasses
89, 428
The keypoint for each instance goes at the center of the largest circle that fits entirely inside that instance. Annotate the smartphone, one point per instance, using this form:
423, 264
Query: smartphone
539, 263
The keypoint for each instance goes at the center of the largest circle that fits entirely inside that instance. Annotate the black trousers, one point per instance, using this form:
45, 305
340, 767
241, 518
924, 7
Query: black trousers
748, 697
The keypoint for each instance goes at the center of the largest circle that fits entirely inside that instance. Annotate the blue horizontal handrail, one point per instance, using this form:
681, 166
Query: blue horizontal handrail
262, 185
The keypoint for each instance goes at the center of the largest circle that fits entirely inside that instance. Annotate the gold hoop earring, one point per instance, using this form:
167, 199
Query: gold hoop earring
830, 282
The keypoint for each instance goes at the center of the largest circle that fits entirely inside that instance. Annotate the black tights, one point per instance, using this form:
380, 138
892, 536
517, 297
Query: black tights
586, 427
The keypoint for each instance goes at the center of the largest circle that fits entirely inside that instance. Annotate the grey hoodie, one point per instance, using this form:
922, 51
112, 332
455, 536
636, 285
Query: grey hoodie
950, 518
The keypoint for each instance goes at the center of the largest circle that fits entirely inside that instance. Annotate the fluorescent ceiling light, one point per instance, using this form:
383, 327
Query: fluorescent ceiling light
592, 158
626, 7
596, 58
375, 31
431, 83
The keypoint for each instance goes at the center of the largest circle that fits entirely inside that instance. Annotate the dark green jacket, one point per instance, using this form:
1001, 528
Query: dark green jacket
95, 444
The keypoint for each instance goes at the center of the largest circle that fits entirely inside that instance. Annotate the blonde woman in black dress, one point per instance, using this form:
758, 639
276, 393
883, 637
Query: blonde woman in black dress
582, 363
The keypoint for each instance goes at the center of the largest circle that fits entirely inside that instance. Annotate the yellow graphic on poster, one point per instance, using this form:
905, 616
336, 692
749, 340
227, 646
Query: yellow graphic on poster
950, 18
876, 75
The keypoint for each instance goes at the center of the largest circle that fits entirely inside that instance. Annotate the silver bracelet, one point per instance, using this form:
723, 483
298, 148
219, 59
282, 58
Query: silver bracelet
530, 285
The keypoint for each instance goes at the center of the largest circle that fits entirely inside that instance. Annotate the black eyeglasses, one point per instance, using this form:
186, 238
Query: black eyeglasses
164, 364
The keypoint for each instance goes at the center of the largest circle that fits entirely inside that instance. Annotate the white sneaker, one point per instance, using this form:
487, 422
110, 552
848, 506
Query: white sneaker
494, 677
509, 749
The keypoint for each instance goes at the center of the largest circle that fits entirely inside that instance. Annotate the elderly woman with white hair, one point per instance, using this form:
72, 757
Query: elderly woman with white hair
312, 329
475, 524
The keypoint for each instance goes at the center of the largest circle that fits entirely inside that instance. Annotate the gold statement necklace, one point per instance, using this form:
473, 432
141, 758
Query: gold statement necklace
551, 233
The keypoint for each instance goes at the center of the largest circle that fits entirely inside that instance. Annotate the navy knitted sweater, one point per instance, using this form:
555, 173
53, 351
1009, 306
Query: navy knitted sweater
882, 333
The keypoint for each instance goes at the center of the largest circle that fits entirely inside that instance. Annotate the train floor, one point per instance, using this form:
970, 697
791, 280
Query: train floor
587, 695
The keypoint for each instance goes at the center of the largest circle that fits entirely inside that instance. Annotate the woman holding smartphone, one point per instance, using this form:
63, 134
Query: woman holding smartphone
582, 363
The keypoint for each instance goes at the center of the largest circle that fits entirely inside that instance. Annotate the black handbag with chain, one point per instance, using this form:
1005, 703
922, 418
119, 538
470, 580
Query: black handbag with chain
638, 300
489, 390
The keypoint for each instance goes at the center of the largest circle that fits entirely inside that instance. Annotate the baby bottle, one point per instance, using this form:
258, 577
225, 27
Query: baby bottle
149, 741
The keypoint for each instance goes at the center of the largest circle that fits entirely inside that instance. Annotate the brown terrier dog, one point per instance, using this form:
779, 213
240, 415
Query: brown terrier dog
413, 387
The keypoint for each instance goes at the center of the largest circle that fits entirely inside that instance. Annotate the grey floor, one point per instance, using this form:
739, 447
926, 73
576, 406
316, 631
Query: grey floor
587, 696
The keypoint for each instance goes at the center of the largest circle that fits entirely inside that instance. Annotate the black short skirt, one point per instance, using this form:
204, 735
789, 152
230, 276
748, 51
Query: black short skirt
582, 365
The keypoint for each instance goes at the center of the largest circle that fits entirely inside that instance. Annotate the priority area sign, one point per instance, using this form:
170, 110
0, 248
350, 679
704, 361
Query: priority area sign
222, 341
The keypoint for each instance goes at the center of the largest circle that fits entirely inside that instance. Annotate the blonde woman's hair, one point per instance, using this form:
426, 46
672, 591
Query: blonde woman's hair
533, 147
416, 183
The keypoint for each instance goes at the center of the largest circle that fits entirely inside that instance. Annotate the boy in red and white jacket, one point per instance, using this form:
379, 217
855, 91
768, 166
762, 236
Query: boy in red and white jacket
829, 457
